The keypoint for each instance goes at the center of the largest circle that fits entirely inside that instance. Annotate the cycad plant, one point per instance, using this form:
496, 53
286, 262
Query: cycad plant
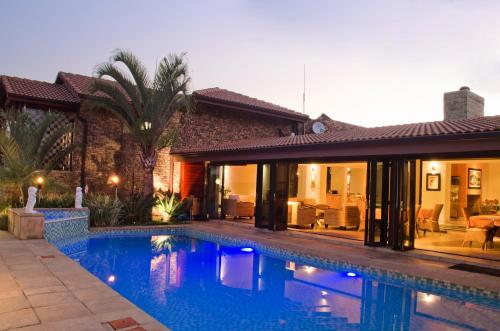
25, 146
145, 105
170, 206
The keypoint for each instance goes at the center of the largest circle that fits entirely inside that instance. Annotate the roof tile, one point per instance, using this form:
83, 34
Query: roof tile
217, 94
21, 87
394, 132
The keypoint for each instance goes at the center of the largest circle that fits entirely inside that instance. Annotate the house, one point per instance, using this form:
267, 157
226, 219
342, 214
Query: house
219, 116
426, 185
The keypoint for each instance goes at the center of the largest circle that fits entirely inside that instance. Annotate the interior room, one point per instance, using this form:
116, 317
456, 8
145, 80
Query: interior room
329, 198
238, 203
459, 211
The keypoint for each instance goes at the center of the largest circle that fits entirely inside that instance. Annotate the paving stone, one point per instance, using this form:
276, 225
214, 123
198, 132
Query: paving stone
62, 312
51, 299
37, 327
17, 319
30, 283
95, 293
122, 323
42, 290
108, 305
156, 326
13, 303
10, 293
137, 314
75, 324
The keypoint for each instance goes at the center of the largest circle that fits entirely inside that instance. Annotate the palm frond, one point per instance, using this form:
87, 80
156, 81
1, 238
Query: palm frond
137, 70
128, 88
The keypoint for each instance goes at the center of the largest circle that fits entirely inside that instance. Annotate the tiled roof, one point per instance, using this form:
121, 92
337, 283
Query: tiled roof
80, 83
33, 89
331, 125
216, 94
394, 132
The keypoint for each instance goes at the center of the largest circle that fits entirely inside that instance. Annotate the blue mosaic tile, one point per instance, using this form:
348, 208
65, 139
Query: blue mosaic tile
63, 223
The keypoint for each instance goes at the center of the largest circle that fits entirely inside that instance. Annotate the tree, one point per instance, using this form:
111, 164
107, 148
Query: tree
145, 106
25, 147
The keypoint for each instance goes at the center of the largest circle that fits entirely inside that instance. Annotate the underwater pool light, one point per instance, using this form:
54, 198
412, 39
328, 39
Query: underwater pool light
111, 279
351, 274
247, 249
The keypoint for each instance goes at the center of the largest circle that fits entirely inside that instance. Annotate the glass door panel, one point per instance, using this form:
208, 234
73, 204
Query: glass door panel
280, 194
377, 203
391, 201
215, 190
263, 195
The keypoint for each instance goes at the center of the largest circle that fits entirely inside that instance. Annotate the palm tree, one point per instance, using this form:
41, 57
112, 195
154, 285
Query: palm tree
25, 147
145, 106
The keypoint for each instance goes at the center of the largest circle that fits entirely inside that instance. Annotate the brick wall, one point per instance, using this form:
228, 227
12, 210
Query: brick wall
213, 125
104, 135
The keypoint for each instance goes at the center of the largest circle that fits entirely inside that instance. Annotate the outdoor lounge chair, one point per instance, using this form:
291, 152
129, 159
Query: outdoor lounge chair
473, 233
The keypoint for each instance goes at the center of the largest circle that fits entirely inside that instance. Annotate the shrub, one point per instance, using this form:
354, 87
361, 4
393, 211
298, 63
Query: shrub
169, 206
4, 221
137, 208
65, 200
104, 210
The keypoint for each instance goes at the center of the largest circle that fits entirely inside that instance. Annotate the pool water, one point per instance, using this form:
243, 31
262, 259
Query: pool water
192, 284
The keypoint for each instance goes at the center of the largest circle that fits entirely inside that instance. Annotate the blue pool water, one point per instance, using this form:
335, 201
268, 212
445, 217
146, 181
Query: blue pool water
192, 284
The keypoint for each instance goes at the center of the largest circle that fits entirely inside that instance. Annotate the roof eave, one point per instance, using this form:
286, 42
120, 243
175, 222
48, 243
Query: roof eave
419, 145
252, 109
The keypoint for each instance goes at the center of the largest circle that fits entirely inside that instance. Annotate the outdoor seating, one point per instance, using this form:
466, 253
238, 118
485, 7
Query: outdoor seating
431, 223
472, 233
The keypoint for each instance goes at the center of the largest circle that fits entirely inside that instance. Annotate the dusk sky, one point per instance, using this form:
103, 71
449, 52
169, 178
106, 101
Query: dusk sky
367, 62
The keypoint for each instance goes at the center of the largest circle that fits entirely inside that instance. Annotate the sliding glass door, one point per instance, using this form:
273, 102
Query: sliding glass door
391, 209
215, 191
263, 197
272, 195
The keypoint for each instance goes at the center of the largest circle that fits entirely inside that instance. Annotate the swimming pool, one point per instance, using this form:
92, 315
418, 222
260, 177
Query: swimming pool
188, 283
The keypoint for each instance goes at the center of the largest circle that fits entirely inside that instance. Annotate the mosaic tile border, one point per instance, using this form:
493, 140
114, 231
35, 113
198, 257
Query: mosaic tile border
61, 223
423, 284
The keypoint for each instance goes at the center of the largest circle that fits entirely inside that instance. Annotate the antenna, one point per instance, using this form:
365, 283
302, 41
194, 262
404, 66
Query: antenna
304, 93
304, 100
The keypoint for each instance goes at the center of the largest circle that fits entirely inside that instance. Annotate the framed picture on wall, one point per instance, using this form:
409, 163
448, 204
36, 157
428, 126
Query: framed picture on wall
474, 178
433, 182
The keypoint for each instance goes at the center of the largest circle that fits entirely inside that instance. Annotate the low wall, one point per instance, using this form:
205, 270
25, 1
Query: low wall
61, 223
49, 223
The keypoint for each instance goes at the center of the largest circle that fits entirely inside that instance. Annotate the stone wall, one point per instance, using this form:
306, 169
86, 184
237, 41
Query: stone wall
462, 104
104, 141
213, 125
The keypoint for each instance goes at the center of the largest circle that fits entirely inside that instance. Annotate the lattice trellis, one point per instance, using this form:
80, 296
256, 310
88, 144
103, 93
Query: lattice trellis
60, 120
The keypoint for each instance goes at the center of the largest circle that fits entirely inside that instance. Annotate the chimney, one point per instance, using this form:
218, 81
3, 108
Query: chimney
463, 104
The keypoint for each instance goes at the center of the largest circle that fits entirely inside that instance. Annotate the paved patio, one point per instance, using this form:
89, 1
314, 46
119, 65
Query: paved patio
42, 289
